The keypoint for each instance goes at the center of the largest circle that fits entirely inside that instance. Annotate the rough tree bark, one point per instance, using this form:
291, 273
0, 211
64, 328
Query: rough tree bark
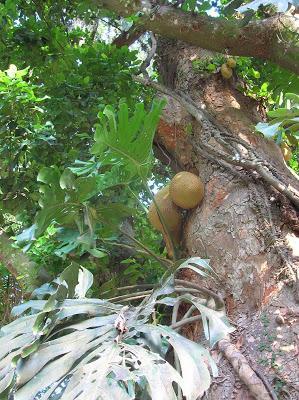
240, 224
245, 227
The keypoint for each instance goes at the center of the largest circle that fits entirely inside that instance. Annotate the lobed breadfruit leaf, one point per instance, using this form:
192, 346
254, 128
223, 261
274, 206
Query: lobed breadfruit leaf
128, 137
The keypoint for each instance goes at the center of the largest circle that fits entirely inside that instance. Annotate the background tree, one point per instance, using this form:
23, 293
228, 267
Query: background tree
71, 196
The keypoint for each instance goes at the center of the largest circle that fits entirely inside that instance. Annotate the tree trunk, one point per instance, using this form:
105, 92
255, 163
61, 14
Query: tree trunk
244, 226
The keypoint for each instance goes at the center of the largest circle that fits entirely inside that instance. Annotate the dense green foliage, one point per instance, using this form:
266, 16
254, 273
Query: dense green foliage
58, 73
55, 80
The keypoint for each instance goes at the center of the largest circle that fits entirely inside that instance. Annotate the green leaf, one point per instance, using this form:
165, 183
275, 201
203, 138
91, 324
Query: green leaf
85, 281
267, 129
215, 323
67, 179
50, 304
22, 72
114, 212
26, 235
86, 187
293, 97
39, 322
283, 113
199, 265
294, 128
69, 277
97, 253
255, 73
31, 348
49, 175
192, 358
128, 138
55, 213
68, 248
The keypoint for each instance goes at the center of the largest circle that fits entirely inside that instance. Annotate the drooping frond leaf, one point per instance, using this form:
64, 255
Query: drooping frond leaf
69, 348
194, 361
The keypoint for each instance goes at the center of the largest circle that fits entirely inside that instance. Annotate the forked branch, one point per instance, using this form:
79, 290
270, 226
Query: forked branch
259, 38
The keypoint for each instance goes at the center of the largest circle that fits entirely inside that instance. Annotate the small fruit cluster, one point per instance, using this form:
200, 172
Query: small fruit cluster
186, 191
227, 68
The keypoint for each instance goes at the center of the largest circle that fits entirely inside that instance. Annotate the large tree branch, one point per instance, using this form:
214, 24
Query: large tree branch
267, 39
129, 37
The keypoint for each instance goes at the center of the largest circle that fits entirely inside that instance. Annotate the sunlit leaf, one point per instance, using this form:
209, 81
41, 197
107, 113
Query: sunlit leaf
281, 5
267, 129
67, 179
128, 138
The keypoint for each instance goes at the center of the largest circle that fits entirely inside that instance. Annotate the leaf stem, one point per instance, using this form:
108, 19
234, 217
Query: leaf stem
178, 325
163, 261
202, 289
